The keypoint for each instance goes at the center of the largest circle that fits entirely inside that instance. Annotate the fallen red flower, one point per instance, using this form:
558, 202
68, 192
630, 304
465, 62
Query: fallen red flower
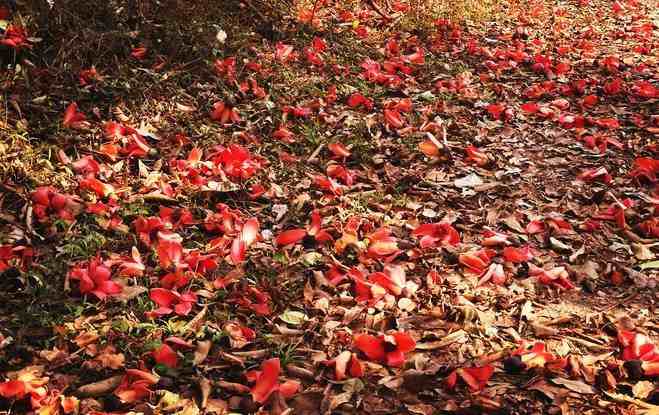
26, 382
492, 238
48, 201
477, 261
476, 156
224, 113
637, 346
94, 278
339, 150
284, 134
647, 168
267, 382
170, 301
596, 174
557, 277
254, 299
517, 255
355, 100
165, 355
15, 37
170, 250
388, 349
346, 362
248, 235
393, 119
135, 385
226, 67
475, 378
494, 273
535, 355
96, 186
74, 118
139, 52
382, 244
391, 279
432, 233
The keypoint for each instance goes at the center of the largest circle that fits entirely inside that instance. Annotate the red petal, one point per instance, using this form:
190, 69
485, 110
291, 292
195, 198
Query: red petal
371, 346
395, 358
404, 342
517, 255
339, 150
476, 377
238, 248
165, 355
393, 118
12, 388
452, 380
71, 115
163, 297
289, 237
530, 107
341, 364
289, 388
535, 226
250, 231
356, 367
267, 381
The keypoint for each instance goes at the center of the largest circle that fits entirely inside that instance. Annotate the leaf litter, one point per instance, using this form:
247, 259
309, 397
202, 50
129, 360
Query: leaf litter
370, 219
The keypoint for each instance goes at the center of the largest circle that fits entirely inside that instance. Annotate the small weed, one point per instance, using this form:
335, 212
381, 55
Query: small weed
83, 246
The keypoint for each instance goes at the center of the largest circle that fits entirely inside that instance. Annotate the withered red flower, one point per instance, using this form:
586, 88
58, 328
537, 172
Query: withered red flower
646, 168
15, 37
135, 385
346, 363
475, 378
637, 346
557, 276
74, 118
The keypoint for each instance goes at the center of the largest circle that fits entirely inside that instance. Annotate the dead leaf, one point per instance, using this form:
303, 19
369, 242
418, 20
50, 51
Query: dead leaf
200, 354
101, 387
575, 385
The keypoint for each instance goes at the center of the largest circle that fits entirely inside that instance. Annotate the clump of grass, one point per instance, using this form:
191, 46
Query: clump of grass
424, 12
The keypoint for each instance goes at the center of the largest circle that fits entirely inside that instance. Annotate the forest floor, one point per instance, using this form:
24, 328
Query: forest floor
350, 214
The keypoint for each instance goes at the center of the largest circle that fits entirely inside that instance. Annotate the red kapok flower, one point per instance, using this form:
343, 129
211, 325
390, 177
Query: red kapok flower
74, 118
170, 301
433, 233
477, 261
135, 385
475, 378
389, 349
165, 355
267, 381
637, 346
346, 363
646, 168
476, 156
94, 278
15, 37
224, 113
